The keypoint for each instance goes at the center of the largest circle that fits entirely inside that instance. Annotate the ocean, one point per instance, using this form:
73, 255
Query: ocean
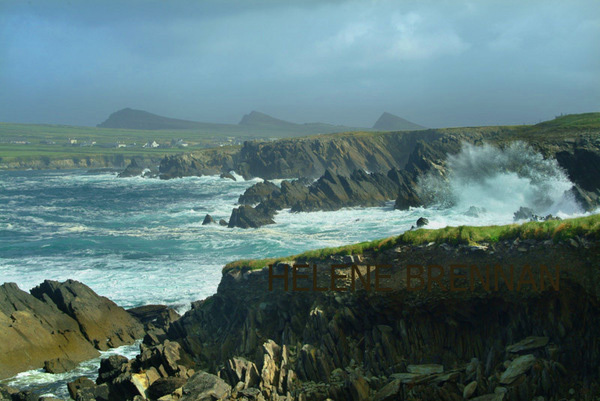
141, 241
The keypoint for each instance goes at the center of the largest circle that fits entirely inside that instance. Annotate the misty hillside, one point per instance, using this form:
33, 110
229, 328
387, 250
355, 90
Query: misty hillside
256, 118
139, 119
254, 123
390, 122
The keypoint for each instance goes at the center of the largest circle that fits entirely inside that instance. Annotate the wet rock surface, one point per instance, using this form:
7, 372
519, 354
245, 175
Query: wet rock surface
100, 320
58, 325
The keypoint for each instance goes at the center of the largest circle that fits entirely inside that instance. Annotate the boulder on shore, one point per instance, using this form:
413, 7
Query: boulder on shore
59, 365
58, 325
101, 321
33, 331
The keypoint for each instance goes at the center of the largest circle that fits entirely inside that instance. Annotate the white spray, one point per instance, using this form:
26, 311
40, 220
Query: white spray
501, 181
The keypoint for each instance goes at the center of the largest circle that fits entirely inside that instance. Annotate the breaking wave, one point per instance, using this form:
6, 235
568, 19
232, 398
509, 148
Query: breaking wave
501, 180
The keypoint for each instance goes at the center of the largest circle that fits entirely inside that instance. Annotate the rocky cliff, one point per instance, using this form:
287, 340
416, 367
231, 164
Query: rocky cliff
58, 325
305, 157
507, 313
571, 140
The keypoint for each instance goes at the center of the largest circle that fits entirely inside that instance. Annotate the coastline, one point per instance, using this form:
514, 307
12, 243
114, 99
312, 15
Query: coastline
304, 342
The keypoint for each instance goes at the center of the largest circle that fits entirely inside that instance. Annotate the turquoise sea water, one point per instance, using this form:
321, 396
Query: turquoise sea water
140, 241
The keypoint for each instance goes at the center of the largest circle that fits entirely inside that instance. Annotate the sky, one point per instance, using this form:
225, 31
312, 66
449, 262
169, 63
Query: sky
436, 63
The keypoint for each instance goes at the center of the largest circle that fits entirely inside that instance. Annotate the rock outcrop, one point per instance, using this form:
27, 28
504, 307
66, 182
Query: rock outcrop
210, 162
33, 331
100, 320
208, 219
330, 192
136, 169
249, 217
429, 344
414, 154
58, 325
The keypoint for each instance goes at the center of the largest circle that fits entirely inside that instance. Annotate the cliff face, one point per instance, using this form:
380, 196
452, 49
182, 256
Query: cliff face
304, 157
574, 145
341, 154
91, 162
520, 343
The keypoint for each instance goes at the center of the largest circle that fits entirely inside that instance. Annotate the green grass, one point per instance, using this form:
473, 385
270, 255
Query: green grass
36, 134
556, 230
572, 121
207, 136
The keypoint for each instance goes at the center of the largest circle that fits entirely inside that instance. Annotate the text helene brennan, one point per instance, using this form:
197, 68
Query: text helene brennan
456, 277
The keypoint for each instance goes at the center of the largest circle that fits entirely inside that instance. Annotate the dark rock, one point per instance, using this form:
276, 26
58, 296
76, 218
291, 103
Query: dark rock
422, 222
132, 170
77, 384
158, 316
330, 192
25, 396
407, 189
59, 365
516, 368
7, 392
208, 220
524, 213
101, 321
165, 386
96, 393
228, 176
176, 166
390, 392
589, 200
33, 331
203, 386
259, 192
238, 370
528, 344
111, 368
222, 222
249, 217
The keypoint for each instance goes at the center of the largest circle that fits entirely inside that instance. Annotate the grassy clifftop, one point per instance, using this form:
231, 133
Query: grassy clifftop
556, 230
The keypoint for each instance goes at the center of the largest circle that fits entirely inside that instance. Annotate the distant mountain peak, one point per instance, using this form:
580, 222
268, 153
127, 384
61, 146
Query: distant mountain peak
138, 119
258, 118
391, 122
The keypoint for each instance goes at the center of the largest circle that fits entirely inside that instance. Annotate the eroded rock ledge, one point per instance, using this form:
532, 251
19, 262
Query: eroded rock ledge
249, 343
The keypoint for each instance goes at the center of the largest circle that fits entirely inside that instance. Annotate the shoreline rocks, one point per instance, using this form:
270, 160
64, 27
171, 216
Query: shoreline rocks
58, 325
249, 343
330, 192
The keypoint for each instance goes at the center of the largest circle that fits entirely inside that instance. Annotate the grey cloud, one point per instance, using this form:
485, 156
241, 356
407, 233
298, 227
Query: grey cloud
437, 63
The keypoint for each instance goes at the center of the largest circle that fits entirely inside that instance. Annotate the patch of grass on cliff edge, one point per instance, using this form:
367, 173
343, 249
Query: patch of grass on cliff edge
556, 230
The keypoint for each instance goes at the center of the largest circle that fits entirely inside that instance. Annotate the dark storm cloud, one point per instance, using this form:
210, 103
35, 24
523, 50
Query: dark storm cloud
436, 63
